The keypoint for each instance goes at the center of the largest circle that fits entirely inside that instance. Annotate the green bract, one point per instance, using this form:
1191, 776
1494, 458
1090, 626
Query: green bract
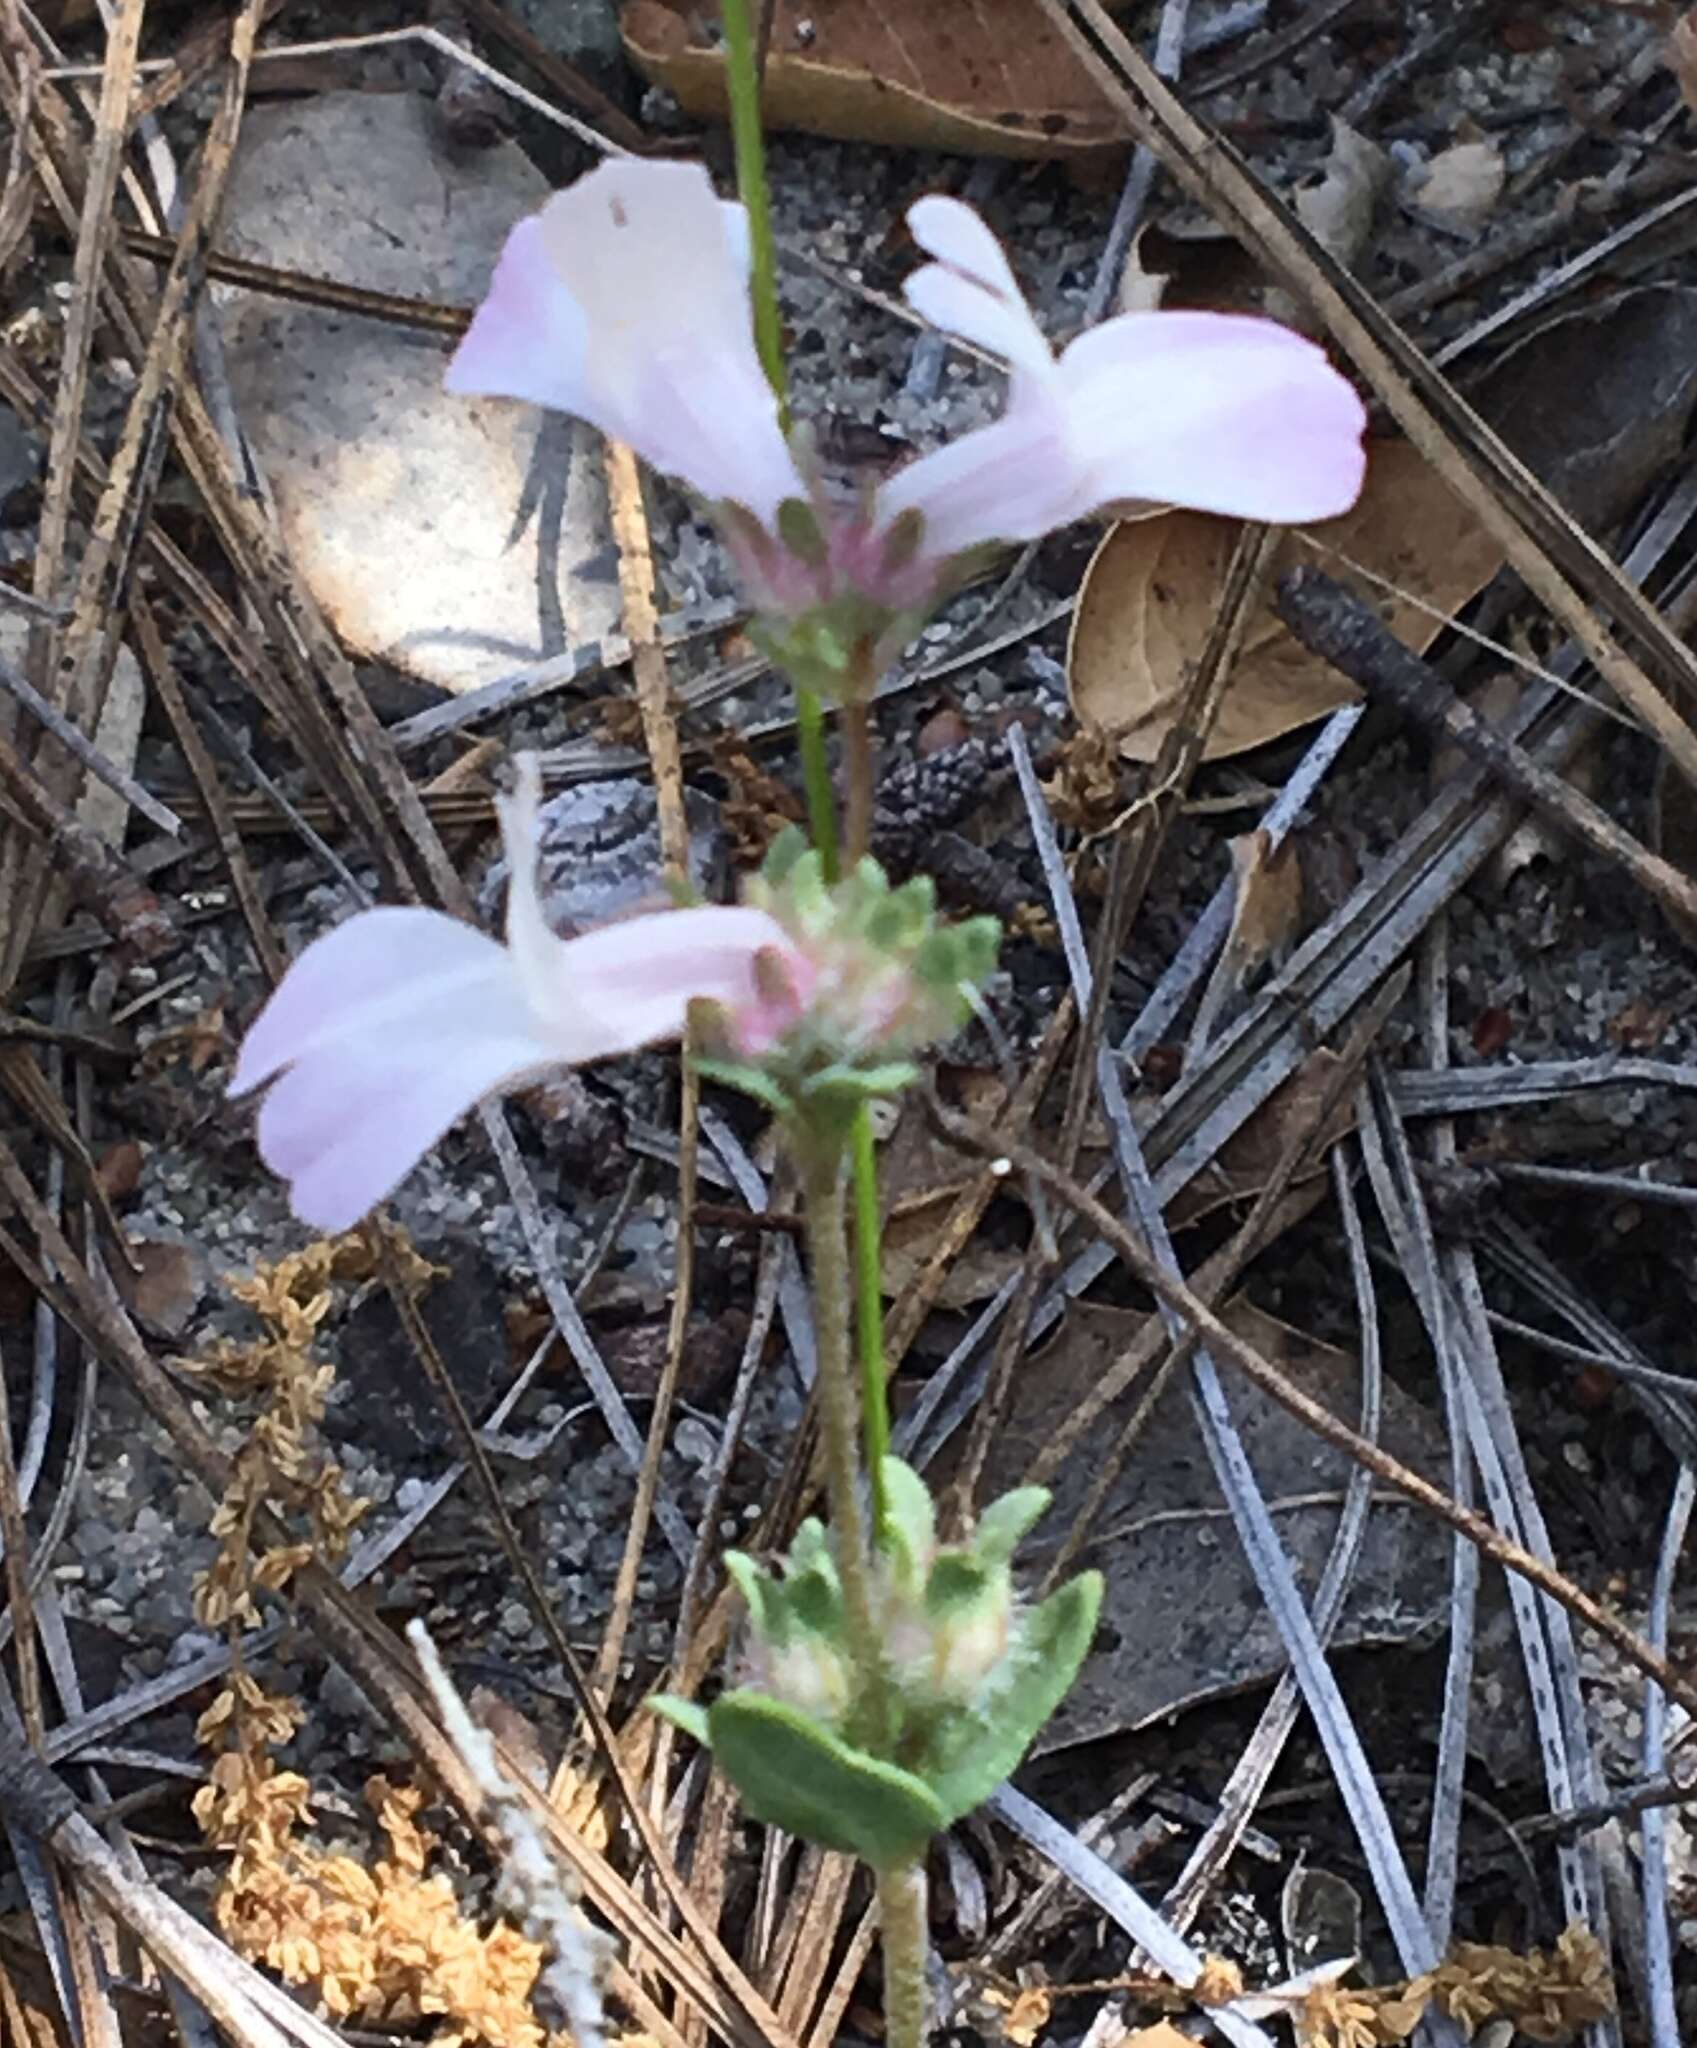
883, 980
971, 1677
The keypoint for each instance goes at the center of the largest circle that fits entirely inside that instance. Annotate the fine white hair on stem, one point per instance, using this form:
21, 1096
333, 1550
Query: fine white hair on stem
536, 1887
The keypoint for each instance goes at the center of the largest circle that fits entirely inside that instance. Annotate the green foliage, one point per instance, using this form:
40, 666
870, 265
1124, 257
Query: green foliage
971, 1677
792, 1773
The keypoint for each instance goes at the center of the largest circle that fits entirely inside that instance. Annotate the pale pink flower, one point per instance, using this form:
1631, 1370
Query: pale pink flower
625, 301
389, 1028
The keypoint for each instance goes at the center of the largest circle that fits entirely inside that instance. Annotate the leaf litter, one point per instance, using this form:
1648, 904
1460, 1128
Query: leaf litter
1595, 402
1518, 949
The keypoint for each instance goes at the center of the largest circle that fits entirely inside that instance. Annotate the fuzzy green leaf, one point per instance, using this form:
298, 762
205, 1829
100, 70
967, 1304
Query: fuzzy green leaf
684, 1714
976, 1749
1005, 1523
782, 855
794, 1774
815, 1601
912, 1519
767, 1612
854, 1085
798, 529
750, 1080
958, 1582
980, 940
810, 1549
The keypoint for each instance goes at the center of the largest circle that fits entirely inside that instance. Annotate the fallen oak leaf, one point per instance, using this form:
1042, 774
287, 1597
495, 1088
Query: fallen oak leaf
1151, 593
979, 77
1338, 211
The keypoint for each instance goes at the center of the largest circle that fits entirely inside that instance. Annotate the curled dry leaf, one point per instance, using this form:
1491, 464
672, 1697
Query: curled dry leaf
1269, 898
164, 1286
1338, 211
984, 77
1152, 590
1462, 186
1266, 915
1140, 290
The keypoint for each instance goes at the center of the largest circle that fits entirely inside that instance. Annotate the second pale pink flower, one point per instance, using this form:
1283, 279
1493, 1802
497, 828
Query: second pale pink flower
388, 1029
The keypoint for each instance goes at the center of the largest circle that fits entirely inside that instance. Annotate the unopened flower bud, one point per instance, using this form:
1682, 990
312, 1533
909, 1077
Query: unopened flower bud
807, 1673
968, 1650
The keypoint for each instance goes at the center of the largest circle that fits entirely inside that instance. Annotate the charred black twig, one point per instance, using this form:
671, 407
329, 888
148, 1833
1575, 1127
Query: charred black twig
1333, 623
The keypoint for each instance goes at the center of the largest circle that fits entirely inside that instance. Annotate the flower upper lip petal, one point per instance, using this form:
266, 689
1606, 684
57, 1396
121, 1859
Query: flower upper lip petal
625, 301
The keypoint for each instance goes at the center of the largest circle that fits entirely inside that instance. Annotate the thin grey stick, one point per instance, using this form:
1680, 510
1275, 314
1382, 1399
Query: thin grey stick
1261, 1756
1658, 1954
1330, 620
673, 1523
76, 741
1255, 1526
1140, 178
1104, 1887
1628, 1184
1449, 1784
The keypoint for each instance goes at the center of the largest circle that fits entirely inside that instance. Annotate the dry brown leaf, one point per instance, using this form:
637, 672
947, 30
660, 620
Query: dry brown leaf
1269, 898
1182, 1619
165, 1286
984, 77
1462, 186
1163, 2034
1338, 212
1246, 1162
1211, 271
1682, 56
1152, 589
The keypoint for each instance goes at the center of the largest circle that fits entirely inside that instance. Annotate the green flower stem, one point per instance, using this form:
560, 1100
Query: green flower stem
906, 1938
821, 1162
869, 1316
816, 778
854, 722
742, 76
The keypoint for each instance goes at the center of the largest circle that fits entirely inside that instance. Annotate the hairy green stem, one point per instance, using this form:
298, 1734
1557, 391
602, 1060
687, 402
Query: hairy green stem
906, 1938
742, 77
869, 1317
821, 1162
